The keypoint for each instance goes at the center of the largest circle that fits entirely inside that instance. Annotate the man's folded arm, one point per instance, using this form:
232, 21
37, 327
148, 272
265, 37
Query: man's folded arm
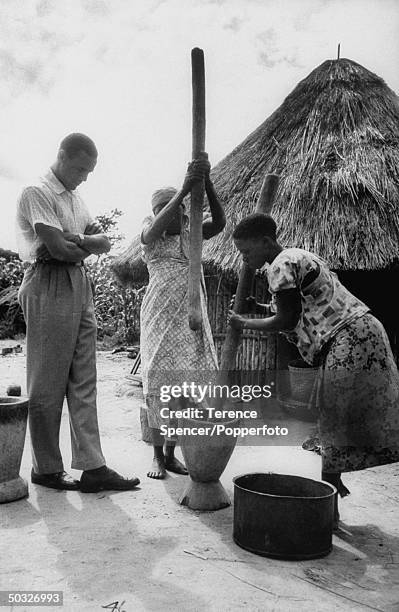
57, 244
94, 244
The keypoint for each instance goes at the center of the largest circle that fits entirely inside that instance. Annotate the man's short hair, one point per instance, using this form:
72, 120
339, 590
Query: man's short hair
255, 226
74, 143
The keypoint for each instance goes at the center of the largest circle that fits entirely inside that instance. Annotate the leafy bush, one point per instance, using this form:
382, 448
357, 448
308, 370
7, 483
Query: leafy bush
117, 308
11, 318
7, 254
11, 273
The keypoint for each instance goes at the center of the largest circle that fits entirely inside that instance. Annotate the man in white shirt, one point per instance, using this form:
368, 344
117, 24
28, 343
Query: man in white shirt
55, 234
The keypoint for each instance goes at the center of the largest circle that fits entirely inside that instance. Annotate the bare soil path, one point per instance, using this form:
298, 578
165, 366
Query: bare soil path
145, 551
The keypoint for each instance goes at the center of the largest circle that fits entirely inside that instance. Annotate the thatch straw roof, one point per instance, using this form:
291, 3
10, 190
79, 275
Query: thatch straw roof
128, 266
335, 143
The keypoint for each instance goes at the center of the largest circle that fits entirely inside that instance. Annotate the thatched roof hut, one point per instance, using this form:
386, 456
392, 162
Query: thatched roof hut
335, 143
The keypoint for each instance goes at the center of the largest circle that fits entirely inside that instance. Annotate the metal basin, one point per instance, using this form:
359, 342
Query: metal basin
283, 516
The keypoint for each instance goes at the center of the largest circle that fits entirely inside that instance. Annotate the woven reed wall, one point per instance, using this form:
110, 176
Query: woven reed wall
257, 353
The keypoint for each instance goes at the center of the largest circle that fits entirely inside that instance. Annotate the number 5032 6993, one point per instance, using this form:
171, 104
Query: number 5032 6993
31, 598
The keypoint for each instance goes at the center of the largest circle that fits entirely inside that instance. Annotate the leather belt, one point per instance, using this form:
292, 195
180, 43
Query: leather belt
58, 262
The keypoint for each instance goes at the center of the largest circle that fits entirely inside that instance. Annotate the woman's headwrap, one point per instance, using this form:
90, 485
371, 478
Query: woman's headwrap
162, 196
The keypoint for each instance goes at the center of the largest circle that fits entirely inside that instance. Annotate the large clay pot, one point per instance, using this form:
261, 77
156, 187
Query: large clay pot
13, 419
206, 457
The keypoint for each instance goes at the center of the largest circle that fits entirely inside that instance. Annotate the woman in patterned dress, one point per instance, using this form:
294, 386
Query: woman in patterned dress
172, 353
357, 389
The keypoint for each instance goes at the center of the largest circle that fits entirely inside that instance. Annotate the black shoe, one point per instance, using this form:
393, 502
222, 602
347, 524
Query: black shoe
105, 479
59, 480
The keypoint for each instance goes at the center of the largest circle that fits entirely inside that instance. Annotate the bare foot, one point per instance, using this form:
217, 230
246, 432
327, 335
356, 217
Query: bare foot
336, 522
336, 516
174, 465
157, 469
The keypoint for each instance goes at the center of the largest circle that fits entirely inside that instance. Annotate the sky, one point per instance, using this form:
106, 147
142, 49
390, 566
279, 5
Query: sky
120, 71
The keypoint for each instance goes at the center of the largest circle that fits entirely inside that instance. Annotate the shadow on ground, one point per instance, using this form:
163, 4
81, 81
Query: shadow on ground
362, 569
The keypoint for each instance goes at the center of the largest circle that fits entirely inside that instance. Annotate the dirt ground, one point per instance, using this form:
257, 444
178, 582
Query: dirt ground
146, 552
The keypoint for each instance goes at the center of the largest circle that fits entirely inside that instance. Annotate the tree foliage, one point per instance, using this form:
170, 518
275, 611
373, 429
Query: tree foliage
11, 318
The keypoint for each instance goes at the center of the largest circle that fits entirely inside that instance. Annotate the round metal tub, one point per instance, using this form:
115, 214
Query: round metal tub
283, 516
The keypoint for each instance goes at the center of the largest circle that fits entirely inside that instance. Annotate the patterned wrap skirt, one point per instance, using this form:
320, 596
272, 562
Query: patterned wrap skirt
171, 352
357, 398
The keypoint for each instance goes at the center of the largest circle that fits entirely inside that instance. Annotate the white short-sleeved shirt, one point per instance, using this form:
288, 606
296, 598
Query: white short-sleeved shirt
50, 203
327, 306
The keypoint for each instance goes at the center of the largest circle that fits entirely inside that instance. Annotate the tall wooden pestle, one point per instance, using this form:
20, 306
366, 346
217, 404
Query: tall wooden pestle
198, 190
229, 350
